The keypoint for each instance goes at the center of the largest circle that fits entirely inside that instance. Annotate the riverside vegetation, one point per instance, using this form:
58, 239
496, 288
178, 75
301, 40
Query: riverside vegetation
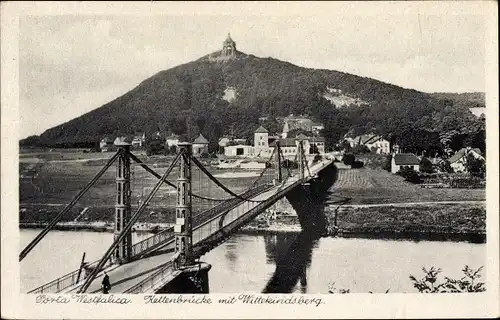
431, 283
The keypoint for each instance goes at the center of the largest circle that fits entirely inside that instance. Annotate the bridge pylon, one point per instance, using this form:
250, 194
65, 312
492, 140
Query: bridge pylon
183, 228
123, 210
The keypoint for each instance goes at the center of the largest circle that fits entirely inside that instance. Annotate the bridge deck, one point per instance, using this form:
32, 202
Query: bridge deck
124, 277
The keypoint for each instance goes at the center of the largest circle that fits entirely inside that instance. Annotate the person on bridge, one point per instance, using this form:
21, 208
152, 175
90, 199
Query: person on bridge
106, 285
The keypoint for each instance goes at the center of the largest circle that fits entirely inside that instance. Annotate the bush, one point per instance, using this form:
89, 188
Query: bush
445, 166
388, 163
360, 149
426, 166
409, 174
429, 282
357, 164
317, 158
476, 167
348, 159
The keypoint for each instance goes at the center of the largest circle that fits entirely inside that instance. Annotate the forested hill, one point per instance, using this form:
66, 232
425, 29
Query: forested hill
468, 99
193, 98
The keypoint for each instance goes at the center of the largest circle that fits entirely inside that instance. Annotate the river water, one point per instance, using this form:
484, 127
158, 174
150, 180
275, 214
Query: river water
284, 262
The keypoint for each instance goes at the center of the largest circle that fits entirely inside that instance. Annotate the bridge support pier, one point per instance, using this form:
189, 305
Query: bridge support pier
308, 200
193, 279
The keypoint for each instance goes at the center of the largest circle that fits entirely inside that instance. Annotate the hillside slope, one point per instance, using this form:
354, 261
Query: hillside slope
189, 99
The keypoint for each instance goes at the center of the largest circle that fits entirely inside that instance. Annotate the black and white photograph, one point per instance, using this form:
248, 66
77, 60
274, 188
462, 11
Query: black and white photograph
237, 151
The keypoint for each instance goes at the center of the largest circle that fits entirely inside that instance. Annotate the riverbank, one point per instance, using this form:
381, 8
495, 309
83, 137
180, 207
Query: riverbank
96, 226
439, 222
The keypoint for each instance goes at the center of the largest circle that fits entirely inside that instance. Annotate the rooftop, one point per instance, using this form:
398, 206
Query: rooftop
402, 159
200, 140
462, 153
261, 129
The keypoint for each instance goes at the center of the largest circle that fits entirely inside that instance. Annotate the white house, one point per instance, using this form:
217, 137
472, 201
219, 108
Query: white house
106, 144
459, 159
172, 140
138, 141
372, 142
239, 150
200, 145
261, 142
402, 160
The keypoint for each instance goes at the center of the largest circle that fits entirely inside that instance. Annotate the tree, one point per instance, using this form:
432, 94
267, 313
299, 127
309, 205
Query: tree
348, 159
475, 166
388, 163
409, 174
426, 166
445, 166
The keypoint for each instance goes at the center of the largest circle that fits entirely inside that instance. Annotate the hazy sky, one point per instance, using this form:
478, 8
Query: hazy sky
69, 65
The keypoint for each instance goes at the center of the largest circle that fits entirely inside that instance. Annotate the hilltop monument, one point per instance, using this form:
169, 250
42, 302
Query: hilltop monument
228, 51
228, 47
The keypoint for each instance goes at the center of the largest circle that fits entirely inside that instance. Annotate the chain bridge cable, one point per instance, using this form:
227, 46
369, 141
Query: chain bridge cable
128, 227
154, 173
217, 182
68, 207
248, 189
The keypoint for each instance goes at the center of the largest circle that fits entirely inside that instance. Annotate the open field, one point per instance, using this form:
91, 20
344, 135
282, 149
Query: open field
367, 186
45, 187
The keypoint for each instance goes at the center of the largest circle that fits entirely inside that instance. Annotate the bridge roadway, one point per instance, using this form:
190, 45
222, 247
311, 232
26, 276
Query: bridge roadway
133, 276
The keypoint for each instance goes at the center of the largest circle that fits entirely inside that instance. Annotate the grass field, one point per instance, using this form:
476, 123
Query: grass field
46, 186
436, 218
370, 186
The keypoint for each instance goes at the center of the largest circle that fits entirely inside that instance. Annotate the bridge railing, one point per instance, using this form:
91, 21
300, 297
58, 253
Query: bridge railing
168, 234
64, 282
152, 241
152, 280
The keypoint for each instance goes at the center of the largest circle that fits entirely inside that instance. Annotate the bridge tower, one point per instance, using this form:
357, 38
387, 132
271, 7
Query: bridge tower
123, 201
183, 220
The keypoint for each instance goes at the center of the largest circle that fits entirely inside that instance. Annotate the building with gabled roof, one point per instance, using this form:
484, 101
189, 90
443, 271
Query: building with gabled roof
200, 145
459, 160
404, 160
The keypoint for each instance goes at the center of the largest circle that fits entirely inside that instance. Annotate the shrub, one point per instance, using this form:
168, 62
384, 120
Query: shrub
429, 282
445, 166
409, 174
388, 163
348, 159
317, 158
476, 167
357, 164
359, 149
426, 165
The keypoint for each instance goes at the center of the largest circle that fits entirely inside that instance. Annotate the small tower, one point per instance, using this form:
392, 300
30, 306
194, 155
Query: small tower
228, 47
261, 140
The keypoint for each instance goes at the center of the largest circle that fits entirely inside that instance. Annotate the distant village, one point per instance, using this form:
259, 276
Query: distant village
233, 151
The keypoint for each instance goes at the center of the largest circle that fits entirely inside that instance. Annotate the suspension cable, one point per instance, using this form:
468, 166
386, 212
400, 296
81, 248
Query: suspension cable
217, 182
129, 225
58, 217
241, 194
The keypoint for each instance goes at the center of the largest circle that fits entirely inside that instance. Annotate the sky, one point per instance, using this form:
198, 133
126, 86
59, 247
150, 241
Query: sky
72, 64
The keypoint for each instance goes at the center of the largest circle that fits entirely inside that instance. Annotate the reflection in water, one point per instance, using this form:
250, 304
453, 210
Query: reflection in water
231, 256
292, 255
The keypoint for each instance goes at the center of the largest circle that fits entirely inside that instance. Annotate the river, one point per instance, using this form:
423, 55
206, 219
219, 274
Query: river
284, 262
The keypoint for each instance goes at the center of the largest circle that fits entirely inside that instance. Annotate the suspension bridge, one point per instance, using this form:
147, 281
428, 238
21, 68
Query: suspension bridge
169, 261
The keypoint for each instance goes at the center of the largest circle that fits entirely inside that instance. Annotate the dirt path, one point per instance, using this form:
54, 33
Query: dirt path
406, 204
